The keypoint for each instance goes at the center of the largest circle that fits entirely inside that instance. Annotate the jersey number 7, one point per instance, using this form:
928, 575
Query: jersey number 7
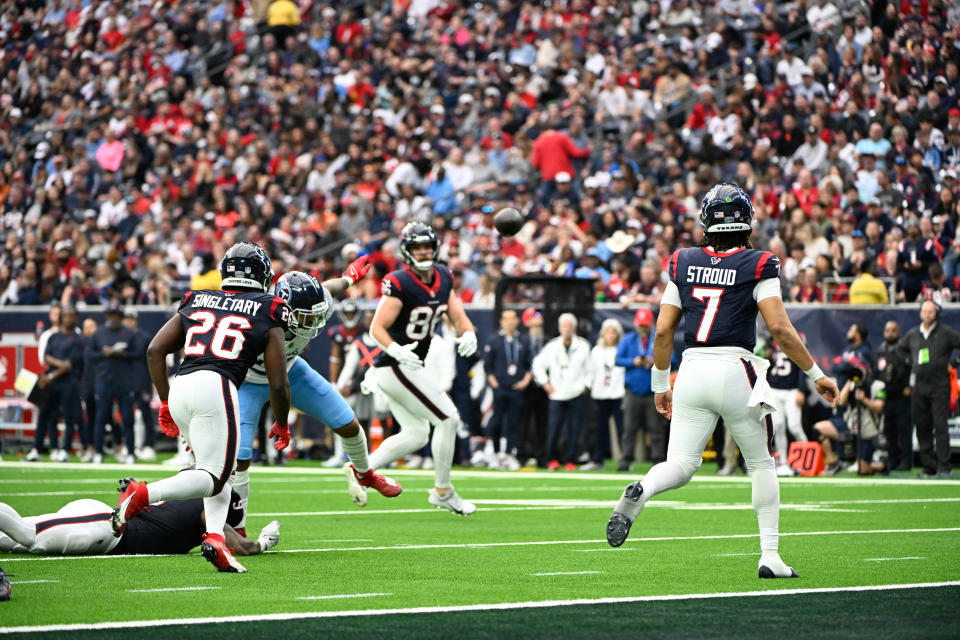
229, 327
711, 297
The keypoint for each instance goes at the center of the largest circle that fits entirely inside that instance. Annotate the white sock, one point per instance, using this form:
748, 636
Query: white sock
191, 483
399, 445
442, 446
356, 449
16, 527
216, 508
780, 440
241, 484
766, 503
796, 430
665, 476
338, 446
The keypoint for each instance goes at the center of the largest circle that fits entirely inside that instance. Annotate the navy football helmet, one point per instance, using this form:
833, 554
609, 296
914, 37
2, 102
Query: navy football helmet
726, 208
416, 233
247, 266
311, 303
349, 313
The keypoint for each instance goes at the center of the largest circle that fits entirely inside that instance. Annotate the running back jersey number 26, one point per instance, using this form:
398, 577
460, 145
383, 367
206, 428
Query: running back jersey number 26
424, 320
229, 328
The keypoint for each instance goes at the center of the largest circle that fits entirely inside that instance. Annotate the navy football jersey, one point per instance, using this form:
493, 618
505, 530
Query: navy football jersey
227, 330
423, 308
783, 372
170, 527
716, 293
342, 336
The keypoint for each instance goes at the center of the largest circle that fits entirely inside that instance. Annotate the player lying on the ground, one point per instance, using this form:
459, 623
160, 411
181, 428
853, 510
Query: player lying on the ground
311, 307
222, 333
718, 289
413, 303
82, 527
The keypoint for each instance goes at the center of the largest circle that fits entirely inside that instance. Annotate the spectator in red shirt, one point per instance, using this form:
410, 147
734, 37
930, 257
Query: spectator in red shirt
552, 154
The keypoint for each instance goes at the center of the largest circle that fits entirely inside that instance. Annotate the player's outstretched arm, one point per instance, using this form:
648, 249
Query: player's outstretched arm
275, 361
467, 337
667, 323
353, 274
168, 340
241, 546
785, 335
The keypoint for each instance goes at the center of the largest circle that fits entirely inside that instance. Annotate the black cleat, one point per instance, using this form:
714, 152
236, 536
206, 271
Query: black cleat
4, 586
766, 572
624, 514
618, 526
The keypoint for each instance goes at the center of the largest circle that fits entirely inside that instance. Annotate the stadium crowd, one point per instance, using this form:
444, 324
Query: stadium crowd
138, 140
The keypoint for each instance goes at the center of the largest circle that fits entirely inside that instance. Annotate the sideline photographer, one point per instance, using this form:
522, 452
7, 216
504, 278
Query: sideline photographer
858, 418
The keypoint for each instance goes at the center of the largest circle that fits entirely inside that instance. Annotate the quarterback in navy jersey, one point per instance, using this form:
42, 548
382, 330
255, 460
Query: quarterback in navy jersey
787, 383
412, 305
222, 333
718, 289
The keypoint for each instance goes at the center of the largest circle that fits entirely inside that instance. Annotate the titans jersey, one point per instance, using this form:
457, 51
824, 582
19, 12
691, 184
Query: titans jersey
783, 372
423, 308
293, 347
716, 294
227, 330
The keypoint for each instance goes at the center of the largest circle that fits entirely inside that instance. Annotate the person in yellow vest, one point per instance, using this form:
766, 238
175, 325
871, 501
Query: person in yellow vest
209, 278
867, 288
283, 18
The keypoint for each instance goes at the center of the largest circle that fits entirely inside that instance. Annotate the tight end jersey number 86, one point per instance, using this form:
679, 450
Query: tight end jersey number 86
423, 321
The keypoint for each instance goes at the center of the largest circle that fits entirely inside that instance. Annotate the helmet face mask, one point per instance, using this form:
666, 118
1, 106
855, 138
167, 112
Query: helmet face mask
349, 314
310, 303
726, 208
413, 236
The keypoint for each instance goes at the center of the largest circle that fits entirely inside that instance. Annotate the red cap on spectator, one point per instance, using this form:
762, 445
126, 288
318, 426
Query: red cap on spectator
529, 314
953, 112
643, 317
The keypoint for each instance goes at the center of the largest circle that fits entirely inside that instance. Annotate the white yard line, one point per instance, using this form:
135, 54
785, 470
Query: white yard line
512, 476
533, 543
566, 573
499, 606
171, 589
338, 596
889, 559
34, 581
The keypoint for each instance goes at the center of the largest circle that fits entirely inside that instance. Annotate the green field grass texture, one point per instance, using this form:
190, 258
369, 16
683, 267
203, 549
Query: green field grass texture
536, 537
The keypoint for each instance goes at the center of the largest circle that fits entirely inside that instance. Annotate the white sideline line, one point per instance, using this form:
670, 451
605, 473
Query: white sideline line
733, 555
565, 573
498, 606
171, 589
533, 543
888, 559
338, 596
512, 476
34, 581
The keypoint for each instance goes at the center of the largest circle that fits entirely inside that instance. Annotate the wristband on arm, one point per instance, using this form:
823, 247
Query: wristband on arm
659, 379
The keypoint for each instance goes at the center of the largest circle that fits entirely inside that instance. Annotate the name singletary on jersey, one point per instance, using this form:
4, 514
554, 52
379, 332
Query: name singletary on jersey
423, 308
716, 293
226, 331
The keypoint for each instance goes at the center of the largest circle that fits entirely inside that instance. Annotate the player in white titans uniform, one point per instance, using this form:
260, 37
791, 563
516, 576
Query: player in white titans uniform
221, 333
718, 290
413, 303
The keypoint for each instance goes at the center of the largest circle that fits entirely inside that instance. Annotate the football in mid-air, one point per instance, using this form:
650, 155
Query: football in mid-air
508, 222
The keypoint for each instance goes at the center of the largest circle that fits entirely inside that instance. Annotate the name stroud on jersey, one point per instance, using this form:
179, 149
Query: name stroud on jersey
709, 275
238, 305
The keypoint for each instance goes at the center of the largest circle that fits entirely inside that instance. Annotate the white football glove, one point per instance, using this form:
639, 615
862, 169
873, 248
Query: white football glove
403, 353
467, 344
368, 386
269, 536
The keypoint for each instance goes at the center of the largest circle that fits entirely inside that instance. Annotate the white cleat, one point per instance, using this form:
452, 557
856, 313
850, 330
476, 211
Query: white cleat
33, 456
771, 566
785, 471
450, 500
413, 462
147, 454
357, 493
87, 456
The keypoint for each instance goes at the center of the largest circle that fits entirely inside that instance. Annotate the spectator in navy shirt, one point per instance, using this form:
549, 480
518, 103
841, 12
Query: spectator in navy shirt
506, 360
914, 257
63, 358
635, 354
108, 351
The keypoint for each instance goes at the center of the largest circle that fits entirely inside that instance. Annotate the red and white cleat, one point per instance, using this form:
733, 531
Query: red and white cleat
388, 487
214, 548
133, 498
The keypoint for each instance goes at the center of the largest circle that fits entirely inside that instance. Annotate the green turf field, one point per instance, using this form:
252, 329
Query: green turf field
532, 562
